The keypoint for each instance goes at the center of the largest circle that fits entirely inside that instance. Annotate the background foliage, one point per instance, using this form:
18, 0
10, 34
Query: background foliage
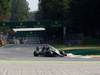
5, 7
19, 10
81, 16
13, 10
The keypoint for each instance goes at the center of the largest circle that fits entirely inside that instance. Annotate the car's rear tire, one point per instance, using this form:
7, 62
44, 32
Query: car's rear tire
36, 53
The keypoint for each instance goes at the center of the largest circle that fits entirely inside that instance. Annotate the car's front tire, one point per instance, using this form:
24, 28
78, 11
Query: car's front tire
62, 53
36, 53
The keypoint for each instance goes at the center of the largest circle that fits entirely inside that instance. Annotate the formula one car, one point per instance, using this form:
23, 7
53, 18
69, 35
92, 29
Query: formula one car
49, 52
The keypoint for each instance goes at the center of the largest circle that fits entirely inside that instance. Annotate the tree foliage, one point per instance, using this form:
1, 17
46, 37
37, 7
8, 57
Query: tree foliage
16, 10
5, 7
19, 10
5, 14
84, 16
54, 9
80, 15
35, 15
32, 15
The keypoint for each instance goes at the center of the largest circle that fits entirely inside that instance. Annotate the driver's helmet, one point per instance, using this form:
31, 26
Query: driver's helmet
43, 48
47, 48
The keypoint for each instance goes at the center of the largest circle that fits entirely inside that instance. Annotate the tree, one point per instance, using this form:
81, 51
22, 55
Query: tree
19, 10
35, 15
84, 16
54, 9
10, 32
32, 15
80, 15
5, 7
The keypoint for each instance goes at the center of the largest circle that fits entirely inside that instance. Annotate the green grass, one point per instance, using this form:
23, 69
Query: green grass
63, 47
49, 61
87, 55
3, 45
83, 52
95, 56
79, 50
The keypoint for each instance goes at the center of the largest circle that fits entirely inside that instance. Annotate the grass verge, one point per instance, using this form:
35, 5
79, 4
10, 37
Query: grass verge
4, 45
83, 52
79, 50
49, 61
63, 47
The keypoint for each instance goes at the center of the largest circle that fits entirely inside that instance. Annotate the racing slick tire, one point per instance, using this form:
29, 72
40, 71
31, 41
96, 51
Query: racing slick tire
62, 53
36, 53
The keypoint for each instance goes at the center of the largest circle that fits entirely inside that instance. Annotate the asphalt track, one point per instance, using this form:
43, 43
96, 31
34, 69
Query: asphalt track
24, 52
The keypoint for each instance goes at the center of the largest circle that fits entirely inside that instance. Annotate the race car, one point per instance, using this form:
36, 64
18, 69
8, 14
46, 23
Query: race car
49, 52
